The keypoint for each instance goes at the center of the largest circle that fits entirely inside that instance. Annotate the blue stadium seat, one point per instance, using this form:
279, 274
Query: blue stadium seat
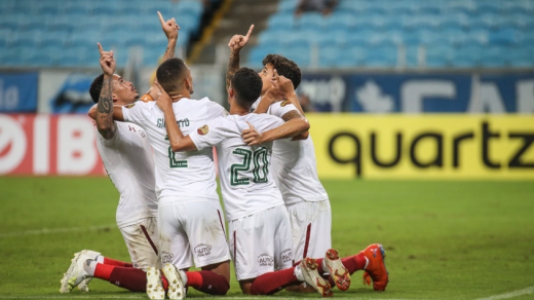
258, 53
493, 57
438, 56
381, 57
48, 8
504, 37
494, 7
189, 7
328, 56
54, 39
334, 37
271, 36
152, 7
300, 55
340, 20
281, 21
311, 21
26, 39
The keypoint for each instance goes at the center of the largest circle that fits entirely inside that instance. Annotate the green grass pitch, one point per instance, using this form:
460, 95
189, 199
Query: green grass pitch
444, 239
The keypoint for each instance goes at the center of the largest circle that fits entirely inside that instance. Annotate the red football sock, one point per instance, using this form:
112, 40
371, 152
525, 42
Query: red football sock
272, 282
132, 279
103, 271
113, 262
208, 282
354, 263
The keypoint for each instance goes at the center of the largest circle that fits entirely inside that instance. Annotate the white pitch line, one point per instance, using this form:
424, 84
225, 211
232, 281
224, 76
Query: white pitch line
66, 296
56, 230
509, 295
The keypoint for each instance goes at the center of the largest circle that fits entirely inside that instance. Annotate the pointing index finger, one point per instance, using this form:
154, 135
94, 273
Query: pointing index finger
161, 20
100, 48
250, 31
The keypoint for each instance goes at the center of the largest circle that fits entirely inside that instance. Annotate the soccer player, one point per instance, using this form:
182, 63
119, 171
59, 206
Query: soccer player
129, 162
190, 224
295, 170
260, 239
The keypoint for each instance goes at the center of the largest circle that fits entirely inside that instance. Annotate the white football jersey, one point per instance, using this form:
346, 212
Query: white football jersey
189, 173
244, 172
129, 162
294, 165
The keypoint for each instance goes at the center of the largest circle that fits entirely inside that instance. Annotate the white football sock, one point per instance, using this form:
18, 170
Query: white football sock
298, 273
89, 266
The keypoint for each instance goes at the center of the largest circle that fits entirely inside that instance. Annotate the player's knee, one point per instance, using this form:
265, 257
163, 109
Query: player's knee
246, 287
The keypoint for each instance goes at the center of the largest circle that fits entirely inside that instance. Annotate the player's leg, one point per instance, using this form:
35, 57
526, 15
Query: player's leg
141, 240
204, 224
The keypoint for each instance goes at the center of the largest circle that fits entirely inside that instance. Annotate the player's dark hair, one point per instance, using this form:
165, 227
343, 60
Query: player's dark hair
247, 85
284, 67
171, 73
96, 87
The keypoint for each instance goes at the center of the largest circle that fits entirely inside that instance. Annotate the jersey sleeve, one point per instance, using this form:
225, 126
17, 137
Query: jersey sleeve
214, 109
281, 108
271, 122
211, 134
135, 112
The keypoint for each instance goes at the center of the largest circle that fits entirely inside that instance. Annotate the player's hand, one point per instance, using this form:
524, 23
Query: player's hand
251, 136
163, 100
107, 61
239, 41
282, 86
170, 28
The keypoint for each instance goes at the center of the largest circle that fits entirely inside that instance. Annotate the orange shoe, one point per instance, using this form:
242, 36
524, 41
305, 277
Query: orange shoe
339, 274
376, 268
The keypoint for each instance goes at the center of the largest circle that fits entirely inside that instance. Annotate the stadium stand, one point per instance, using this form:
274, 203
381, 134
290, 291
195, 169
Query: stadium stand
44, 33
453, 33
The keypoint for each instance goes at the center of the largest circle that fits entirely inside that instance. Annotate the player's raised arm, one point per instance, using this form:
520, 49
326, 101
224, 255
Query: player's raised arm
177, 140
170, 28
104, 110
236, 43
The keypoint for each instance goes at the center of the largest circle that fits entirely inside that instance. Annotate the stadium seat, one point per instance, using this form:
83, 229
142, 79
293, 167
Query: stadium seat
287, 6
334, 37
281, 22
438, 56
311, 21
381, 57
340, 20
504, 37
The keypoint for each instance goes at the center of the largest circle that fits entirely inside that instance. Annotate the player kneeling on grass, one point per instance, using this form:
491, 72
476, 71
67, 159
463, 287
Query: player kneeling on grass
259, 229
295, 172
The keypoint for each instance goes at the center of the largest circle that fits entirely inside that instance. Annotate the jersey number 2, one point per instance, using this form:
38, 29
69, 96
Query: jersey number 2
260, 170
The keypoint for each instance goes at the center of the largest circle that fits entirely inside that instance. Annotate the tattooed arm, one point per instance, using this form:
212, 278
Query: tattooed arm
236, 43
104, 113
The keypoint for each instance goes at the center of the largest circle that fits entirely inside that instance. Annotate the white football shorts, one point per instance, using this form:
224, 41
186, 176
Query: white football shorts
142, 242
261, 243
311, 225
191, 232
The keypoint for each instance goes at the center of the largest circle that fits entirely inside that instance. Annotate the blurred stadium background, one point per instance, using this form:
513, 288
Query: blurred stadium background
395, 89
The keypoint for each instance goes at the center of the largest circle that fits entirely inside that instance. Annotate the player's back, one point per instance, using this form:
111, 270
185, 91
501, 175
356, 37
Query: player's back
190, 173
294, 165
129, 162
246, 180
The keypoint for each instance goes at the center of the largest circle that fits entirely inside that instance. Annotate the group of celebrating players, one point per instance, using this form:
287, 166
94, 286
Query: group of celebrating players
158, 152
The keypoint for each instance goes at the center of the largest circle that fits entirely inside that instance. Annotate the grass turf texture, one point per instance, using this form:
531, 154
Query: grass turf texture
444, 240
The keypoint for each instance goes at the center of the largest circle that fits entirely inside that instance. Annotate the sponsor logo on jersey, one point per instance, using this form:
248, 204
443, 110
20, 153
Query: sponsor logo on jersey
203, 130
286, 255
166, 257
160, 123
284, 103
265, 260
130, 105
203, 250
183, 123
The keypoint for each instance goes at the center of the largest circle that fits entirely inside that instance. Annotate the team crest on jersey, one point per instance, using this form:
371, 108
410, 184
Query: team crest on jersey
284, 103
203, 130
130, 105
146, 98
